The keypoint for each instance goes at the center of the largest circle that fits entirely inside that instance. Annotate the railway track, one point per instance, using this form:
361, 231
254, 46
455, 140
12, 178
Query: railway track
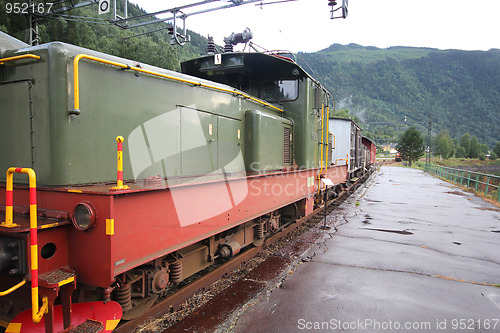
173, 301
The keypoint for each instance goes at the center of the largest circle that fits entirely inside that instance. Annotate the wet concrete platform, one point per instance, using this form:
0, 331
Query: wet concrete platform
407, 253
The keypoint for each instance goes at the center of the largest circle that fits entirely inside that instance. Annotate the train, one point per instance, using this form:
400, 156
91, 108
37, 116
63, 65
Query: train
120, 180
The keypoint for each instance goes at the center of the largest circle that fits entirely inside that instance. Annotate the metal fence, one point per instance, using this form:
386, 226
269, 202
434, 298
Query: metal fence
480, 182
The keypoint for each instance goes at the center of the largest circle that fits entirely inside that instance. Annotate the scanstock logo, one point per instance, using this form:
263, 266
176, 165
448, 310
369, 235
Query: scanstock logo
183, 142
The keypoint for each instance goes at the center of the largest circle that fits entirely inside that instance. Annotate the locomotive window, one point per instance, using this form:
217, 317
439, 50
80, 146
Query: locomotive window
280, 90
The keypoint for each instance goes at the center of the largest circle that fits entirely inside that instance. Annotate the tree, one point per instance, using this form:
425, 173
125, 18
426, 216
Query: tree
460, 152
475, 148
411, 145
444, 144
483, 148
465, 144
496, 149
344, 113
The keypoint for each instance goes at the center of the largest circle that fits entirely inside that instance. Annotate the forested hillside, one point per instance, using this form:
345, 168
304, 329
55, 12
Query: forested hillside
458, 90
153, 49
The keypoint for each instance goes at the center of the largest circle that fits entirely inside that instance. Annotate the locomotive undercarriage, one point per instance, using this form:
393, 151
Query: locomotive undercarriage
138, 289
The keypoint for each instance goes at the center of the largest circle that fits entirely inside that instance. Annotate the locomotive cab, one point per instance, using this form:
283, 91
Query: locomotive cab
279, 80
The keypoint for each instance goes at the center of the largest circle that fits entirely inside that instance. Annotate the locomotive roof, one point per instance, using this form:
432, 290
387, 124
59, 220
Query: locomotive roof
258, 66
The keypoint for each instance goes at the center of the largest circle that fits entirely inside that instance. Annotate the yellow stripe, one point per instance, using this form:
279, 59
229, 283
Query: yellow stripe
13, 328
9, 210
111, 324
46, 226
75, 191
34, 300
110, 227
33, 216
34, 256
32, 176
68, 280
119, 160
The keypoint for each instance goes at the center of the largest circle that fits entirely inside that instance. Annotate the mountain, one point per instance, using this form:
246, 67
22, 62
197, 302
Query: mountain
457, 90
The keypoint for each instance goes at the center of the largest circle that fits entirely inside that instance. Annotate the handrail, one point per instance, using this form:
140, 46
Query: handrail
472, 179
37, 313
23, 56
76, 83
322, 141
327, 131
17, 286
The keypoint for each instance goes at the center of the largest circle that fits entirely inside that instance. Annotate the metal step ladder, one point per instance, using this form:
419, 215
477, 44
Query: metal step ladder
52, 284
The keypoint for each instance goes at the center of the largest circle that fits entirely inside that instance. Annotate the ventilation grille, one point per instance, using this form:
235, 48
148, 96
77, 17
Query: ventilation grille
286, 145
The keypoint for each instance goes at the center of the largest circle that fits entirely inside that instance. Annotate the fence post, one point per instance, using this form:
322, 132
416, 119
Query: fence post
487, 184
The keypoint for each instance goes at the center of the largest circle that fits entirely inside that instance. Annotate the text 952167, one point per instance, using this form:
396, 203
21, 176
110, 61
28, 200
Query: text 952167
27, 8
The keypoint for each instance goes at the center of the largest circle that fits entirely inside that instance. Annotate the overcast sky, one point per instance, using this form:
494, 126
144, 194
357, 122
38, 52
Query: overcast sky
304, 25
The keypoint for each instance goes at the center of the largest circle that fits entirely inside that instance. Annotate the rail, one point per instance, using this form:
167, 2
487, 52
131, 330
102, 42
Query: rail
480, 182
23, 56
37, 312
76, 81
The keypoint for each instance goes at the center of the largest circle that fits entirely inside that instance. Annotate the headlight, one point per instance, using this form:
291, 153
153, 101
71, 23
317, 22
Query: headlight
84, 216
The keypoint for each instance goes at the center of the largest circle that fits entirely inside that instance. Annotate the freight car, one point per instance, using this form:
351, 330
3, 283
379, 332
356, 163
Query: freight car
347, 148
370, 151
210, 161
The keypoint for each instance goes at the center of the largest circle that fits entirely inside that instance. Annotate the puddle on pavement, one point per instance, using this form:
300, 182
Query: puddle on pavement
401, 232
457, 193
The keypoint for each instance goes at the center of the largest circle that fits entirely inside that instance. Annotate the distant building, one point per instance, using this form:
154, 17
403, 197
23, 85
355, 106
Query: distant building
390, 150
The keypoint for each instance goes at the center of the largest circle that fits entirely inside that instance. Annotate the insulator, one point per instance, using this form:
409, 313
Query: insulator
211, 45
228, 47
170, 30
176, 272
124, 296
332, 3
